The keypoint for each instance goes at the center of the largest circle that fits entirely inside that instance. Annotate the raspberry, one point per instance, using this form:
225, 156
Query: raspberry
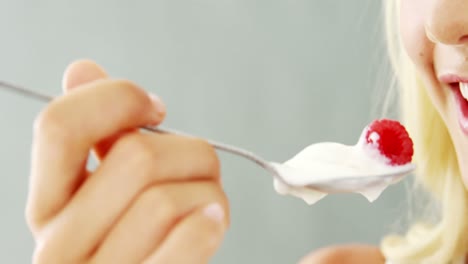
393, 141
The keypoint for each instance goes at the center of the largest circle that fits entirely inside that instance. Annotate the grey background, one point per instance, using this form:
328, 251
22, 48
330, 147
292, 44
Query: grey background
270, 75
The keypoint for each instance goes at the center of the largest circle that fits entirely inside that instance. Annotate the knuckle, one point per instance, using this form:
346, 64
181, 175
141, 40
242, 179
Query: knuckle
31, 219
138, 153
125, 87
41, 257
159, 198
50, 250
45, 254
209, 160
209, 235
49, 123
135, 96
134, 145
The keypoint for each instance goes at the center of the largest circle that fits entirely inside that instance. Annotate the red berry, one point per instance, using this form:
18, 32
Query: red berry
393, 141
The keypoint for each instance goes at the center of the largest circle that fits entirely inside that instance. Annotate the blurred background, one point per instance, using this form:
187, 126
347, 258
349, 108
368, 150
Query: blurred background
272, 76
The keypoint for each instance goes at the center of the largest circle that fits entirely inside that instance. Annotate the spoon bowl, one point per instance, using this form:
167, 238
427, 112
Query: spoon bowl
361, 182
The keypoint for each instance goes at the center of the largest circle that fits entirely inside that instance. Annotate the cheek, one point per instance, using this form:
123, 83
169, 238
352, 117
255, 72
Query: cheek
419, 48
413, 34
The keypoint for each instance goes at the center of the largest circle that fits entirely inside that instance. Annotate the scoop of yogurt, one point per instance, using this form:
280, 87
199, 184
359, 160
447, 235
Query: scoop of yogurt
383, 147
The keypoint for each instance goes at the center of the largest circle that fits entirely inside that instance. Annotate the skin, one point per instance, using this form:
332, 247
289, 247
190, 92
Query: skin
151, 195
435, 36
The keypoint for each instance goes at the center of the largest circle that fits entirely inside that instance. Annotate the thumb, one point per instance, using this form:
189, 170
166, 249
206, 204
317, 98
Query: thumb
81, 72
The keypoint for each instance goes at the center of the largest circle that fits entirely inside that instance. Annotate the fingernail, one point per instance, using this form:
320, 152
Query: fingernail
158, 103
214, 211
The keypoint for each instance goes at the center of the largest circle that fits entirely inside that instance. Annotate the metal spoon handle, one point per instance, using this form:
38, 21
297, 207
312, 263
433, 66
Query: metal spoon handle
221, 146
26, 92
217, 145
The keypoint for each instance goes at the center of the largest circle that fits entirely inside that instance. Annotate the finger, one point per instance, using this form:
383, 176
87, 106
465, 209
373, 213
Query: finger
136, 162
155, 212
85, 71
82, 72
103, 146
67, 129
194, 240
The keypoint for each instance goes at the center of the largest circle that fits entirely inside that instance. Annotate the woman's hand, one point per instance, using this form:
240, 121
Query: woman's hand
345, 254
152, 199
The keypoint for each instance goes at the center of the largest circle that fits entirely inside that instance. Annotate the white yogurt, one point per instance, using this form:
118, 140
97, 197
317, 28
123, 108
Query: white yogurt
333, 160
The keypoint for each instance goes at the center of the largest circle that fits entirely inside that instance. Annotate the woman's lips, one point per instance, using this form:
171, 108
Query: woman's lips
455, 81
453, 78
461, 106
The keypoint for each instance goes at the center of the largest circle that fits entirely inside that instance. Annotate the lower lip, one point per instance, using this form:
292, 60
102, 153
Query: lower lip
462, 107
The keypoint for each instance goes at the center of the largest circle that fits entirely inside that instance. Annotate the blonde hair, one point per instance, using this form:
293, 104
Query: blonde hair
437, 167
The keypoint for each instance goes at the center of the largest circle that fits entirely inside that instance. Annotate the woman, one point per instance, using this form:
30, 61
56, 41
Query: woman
158, 199
430, 57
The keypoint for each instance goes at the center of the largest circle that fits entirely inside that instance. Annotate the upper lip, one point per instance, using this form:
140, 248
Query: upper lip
453, 78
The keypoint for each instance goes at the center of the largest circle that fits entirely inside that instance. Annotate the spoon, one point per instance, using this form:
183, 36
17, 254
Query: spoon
333, 185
